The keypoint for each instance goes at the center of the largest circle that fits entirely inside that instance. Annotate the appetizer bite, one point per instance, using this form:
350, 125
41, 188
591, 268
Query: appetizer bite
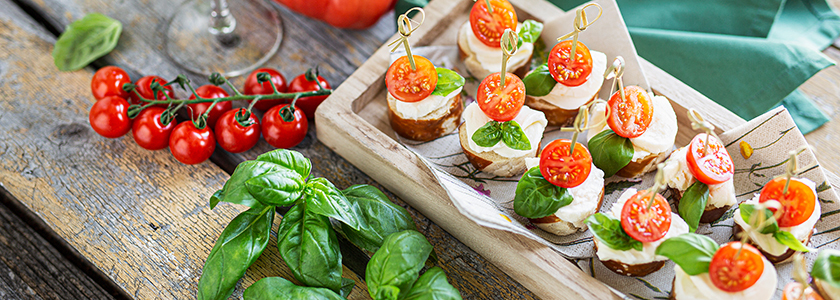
479, 38
824, 274
626, 236
569, 79
700, 176
562, 187
641, 132
498, 132
424, 102
705, 270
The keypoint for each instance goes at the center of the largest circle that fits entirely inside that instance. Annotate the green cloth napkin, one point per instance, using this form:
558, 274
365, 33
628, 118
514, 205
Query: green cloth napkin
747, 55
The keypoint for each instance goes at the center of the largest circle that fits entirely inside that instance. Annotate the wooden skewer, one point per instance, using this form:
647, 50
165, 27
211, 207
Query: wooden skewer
509, 48
581, 23
405, 29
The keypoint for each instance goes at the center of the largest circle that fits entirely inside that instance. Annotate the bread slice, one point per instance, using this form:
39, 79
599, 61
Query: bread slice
554, 225
776, 260
641, 166
493, 163
474, 67
637, 270
821, 287
436, 124
710, 213
555, 115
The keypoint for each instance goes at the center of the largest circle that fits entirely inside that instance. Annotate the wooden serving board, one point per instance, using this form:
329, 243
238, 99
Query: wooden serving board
354, 123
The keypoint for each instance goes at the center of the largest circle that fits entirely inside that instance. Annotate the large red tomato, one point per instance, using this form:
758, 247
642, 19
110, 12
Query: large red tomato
353, 14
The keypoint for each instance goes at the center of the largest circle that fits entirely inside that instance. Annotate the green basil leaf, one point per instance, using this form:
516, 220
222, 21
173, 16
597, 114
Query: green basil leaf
787, 239
309, 247
432, 285
379, 217
235, 190
608, 231
448, 82
279, 188
488, 135
277, 288
770, 224
393, 269
827, 267
85, 40
536, 197
290, 159
239, 246
529, 31
514, 137
539, 82
216, 198
692, 252
693, 204
324, 199
347, 286
610, 151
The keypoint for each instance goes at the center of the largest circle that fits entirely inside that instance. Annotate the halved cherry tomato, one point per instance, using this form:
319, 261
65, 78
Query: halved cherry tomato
734, 275
411, 85
489, 27
793, 291
631, 116
191, 145
797, 204
501, 104
646, 224
566, 71
253, 87
234, 137
563, 169
209, 91
712, 167
108, 81
143, 86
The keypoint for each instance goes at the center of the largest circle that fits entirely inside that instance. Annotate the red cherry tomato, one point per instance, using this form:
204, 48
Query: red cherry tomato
143, 86
712, 167
501, 104
797, 204
646, 224
149, 132
489, 27
411, 85
631, 116
793, 291
209, 91
563, 169
282, 134
734, 275
566, 71
109, 117
191, 145
108, 81
307, 104
253, 87
232, 136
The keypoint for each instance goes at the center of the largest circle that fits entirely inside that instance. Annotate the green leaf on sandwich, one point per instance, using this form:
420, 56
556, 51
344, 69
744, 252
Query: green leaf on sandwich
536, 197
692, 252
693, 204
827, 267
508, 132
771, 227
608, 231
539, 82
529, 32
610, 151
448, 82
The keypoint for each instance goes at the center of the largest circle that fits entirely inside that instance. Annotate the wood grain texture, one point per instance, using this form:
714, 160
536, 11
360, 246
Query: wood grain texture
824, 89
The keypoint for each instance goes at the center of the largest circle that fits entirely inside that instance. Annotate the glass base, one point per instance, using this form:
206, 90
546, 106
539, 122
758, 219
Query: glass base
253, 37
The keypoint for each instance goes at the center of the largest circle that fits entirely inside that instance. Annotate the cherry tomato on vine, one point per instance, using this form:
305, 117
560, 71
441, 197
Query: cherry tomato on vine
191, 145
488, 27
308, 104
253, 87
209, 91
797, 204
282, 134
410, 85
109, 117
646, 224
736, 274
108, 81
793, 291
149, 132
232, 136
566, 71
562, 168
712, 167
501, 104
143, 86
631, 116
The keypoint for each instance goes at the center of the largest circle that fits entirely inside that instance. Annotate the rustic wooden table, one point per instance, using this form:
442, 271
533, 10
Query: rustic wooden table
84, 217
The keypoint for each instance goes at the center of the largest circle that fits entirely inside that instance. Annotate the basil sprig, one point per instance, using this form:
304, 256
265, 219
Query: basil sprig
608, 231
529, 32
85, 40
693, 204
508, 132
610, 151
692, 252
827, 267
380, 217
537, 198
772, 227
539, 82
277, 288
448, 81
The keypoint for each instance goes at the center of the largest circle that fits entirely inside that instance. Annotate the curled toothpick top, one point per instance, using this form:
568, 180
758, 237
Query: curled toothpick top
581, 23
792, 167
509, 48
405, 29
698, 122
616, 70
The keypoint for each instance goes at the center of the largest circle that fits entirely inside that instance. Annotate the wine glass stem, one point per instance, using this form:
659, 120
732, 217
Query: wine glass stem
222, 22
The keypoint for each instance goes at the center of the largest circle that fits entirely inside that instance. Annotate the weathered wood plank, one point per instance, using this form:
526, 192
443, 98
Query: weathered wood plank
824, 89
12, 287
